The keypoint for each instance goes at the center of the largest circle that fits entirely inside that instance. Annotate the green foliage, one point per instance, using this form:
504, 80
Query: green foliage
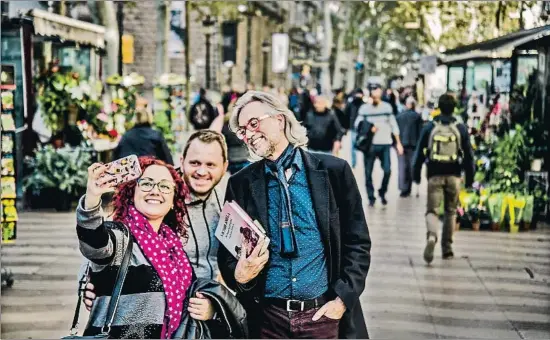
389, 43
65, 169
227, 9
508, 157
161, 122
54, 96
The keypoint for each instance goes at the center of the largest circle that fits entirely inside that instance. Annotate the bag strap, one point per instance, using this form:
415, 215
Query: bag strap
81, 288
121, 276
115, 296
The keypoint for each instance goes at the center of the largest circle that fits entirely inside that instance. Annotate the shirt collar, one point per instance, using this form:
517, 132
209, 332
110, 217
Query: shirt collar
297, 162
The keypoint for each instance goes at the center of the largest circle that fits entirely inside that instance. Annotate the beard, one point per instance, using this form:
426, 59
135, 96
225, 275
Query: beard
265, 149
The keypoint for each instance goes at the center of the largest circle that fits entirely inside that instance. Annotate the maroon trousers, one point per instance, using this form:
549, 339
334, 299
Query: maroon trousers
279, 324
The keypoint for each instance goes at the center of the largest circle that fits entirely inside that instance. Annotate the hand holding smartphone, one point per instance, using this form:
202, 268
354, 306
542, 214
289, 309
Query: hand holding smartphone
123, 170
103, 178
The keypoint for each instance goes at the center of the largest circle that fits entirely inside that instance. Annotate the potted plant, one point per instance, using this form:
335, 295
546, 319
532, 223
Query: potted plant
61, 172
495, 205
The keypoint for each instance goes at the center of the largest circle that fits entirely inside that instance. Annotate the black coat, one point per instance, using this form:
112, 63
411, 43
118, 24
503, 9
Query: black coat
142, 140
231, 316
339, 212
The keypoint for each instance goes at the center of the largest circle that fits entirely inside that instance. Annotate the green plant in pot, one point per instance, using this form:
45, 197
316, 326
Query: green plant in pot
63, 171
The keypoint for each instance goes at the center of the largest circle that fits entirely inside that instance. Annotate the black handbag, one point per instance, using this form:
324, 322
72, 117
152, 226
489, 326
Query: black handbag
115, 297
363, 140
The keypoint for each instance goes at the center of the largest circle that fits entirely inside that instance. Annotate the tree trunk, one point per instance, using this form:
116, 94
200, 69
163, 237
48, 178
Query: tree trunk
106, 11
187, 65
163, 29
337, 77
351, 75
327, 48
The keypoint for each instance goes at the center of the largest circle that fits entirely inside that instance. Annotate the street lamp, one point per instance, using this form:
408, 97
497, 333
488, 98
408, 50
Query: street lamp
245, 10
265, 50
208, 30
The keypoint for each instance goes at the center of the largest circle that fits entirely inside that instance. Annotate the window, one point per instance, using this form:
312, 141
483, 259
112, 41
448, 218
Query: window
526, 66
456, 75
75, 59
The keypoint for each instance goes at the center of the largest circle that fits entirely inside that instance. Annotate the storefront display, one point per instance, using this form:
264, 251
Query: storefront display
8, 175
507, 195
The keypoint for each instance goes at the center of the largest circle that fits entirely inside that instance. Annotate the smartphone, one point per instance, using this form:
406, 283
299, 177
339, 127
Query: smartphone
124, 169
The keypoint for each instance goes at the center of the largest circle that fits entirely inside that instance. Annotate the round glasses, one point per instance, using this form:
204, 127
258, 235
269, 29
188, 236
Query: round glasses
147, 185
253, 125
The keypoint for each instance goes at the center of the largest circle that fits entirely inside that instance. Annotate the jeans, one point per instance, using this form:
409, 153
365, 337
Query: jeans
236, 166
353, 150
442, 189
280, 324
405, 170
382, 152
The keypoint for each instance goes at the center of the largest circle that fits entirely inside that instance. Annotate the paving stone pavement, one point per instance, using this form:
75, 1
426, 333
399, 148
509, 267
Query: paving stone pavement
485, 292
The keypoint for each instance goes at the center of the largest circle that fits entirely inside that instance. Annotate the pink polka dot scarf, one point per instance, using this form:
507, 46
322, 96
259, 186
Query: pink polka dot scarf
165, 252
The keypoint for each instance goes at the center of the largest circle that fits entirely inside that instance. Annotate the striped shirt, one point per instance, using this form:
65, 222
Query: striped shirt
140, 312
382, 117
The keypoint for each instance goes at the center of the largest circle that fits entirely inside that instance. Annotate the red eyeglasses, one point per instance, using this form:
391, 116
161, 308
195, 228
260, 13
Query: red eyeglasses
253, 125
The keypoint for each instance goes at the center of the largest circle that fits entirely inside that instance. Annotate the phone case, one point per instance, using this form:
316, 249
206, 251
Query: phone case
124, 169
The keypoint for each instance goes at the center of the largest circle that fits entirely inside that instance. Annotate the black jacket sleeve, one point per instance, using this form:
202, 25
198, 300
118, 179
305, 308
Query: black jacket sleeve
468, 155
164, 153
339, 130
226, 262
419, 156
355, 241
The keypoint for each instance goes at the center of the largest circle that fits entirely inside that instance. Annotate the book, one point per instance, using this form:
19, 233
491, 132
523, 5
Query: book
235, 226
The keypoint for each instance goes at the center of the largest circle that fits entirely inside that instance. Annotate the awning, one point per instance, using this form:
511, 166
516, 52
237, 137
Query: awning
501, 47
55, 25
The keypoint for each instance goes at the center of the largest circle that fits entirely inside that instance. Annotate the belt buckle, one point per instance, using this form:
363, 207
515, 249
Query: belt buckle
288, 309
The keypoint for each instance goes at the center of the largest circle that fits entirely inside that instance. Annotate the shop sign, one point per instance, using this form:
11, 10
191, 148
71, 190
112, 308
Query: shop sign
280, 49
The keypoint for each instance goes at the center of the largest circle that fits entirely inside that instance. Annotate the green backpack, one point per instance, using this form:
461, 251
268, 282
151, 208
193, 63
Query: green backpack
444, 143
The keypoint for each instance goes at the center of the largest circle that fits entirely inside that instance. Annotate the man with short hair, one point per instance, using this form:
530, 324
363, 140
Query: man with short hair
446, 145
380, 114
306, 282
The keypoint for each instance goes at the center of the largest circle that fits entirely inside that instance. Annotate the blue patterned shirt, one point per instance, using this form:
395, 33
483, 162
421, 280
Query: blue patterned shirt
306, 276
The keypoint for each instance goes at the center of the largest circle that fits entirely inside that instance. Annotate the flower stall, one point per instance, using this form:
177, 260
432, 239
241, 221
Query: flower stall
169, 109
505, 196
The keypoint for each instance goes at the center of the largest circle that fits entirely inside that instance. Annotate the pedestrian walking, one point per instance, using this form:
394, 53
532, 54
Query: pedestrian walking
143, 140
351, 111
202, 113
410, 125
446, 145
323, 128
203, 164
308, 284
154, 306
339, 109
380, 114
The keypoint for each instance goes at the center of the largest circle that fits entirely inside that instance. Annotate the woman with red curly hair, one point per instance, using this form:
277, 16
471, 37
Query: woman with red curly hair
154, 292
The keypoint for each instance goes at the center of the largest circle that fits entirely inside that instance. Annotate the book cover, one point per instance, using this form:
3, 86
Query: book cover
235, 226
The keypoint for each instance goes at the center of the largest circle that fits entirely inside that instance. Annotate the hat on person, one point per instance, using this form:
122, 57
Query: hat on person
374, 83
358, 91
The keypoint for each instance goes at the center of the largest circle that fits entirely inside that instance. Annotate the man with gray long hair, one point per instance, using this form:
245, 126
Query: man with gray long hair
307, 281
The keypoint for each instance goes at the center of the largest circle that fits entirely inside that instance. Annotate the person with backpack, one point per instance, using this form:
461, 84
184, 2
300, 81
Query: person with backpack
445, 144
202, 113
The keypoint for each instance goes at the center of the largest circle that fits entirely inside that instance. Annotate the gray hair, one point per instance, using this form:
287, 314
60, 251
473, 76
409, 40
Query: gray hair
294, 131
